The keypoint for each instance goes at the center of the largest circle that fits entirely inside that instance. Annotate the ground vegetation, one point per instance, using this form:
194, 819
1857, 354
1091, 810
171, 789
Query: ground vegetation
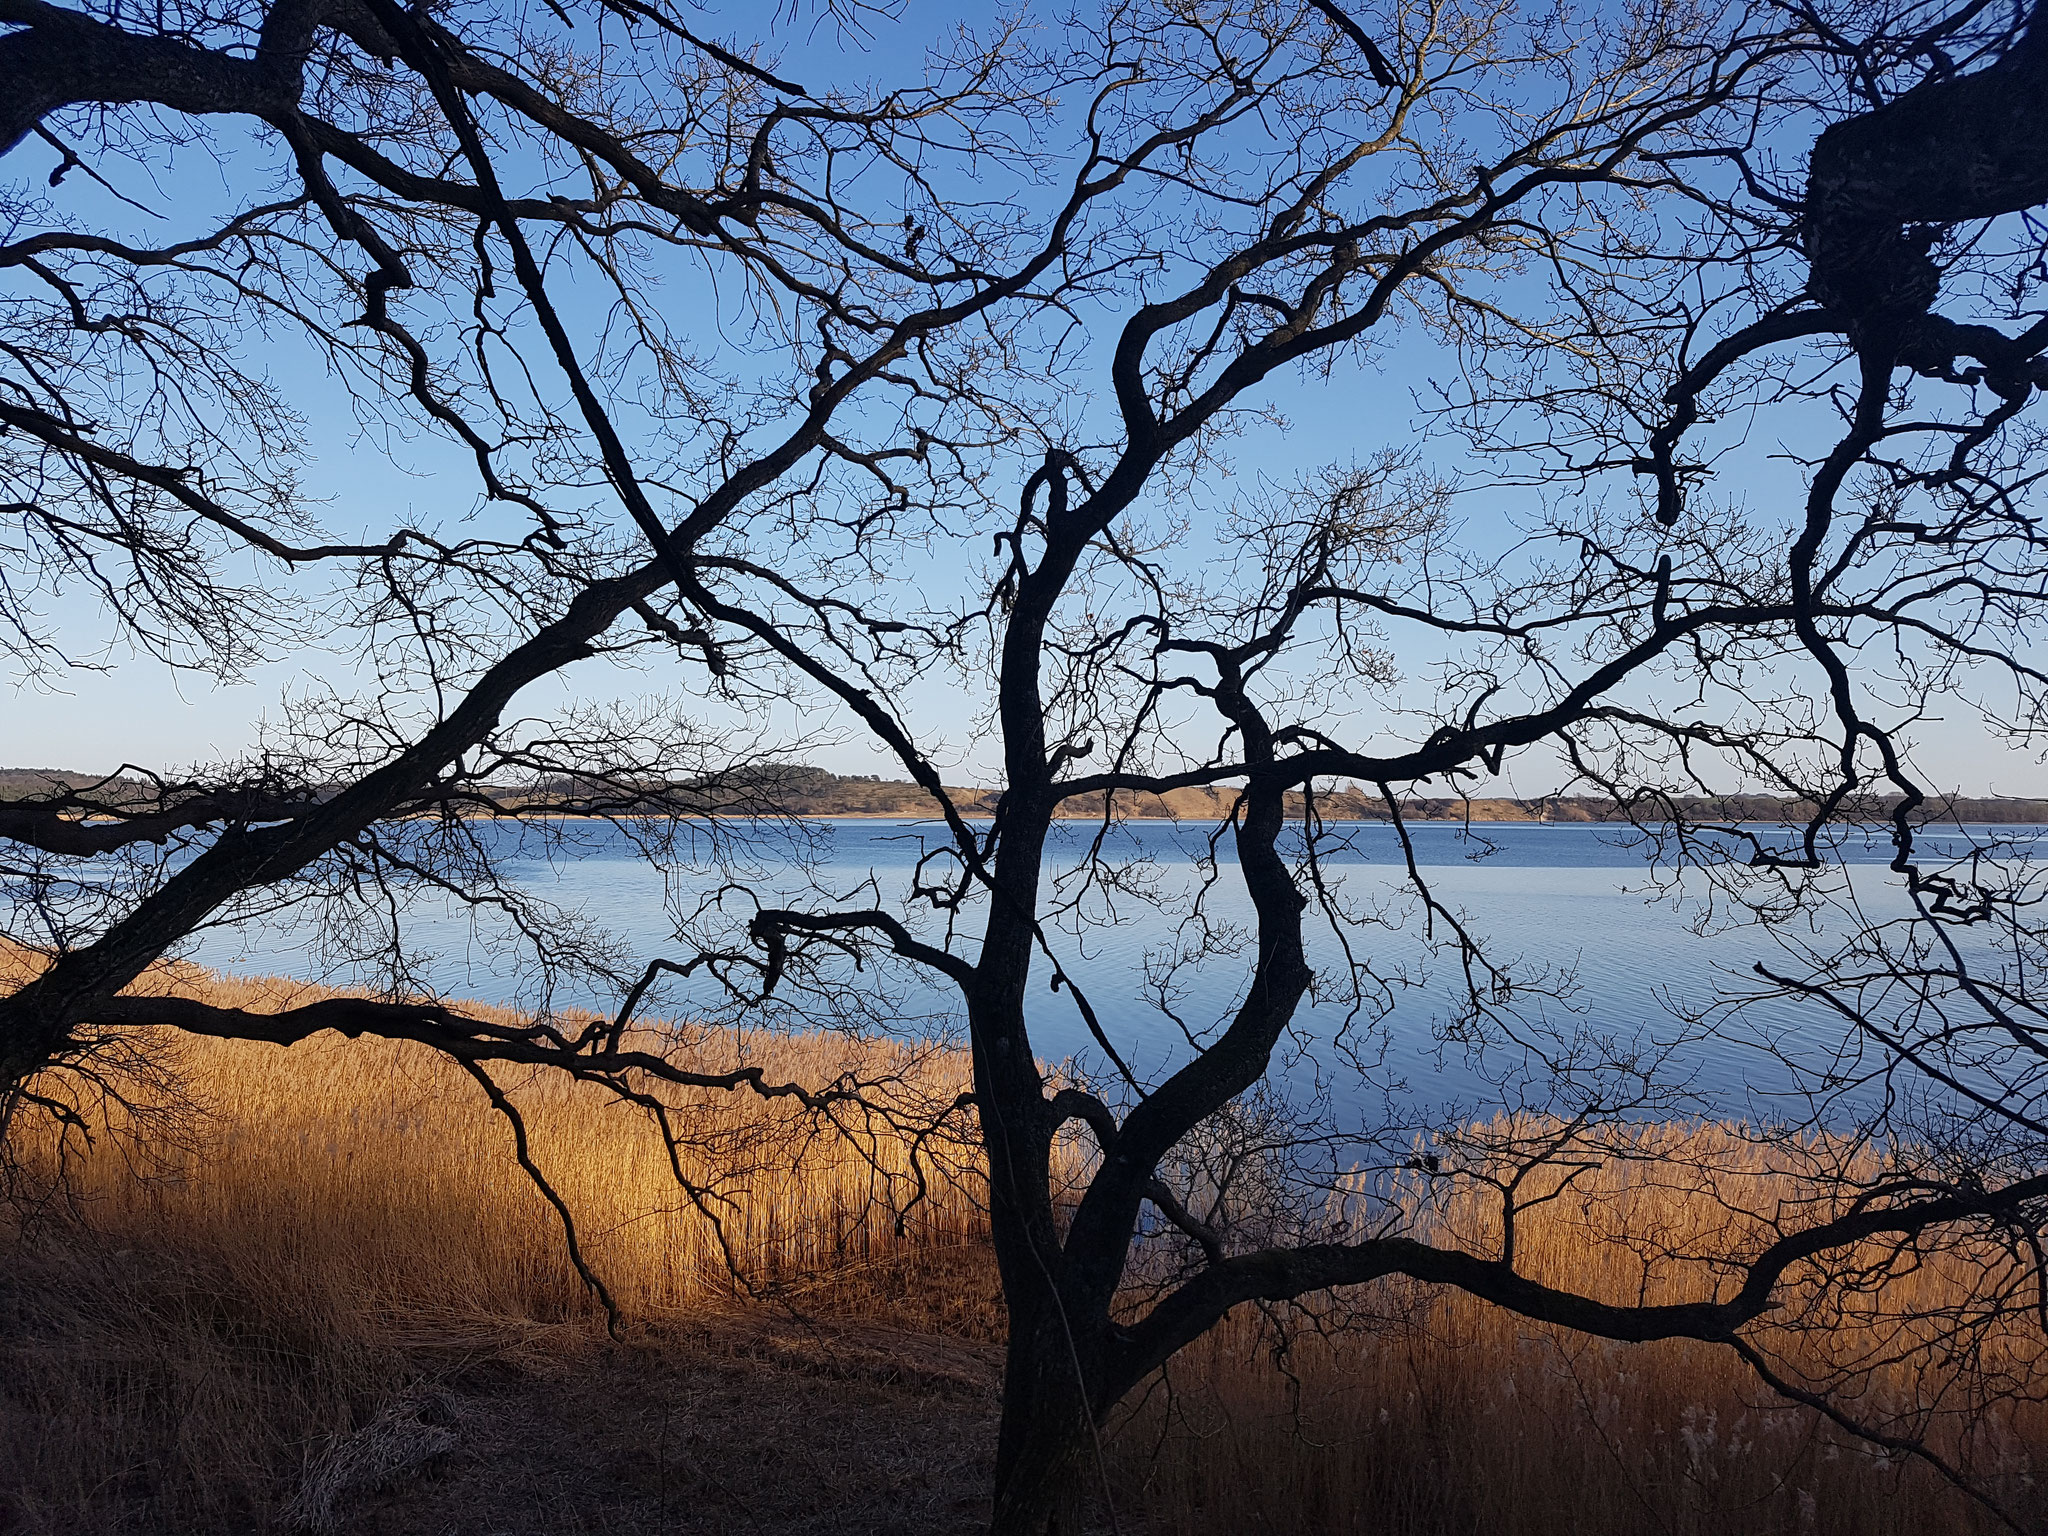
817, 399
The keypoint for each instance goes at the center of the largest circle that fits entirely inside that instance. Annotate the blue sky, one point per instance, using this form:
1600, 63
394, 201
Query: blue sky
138, 711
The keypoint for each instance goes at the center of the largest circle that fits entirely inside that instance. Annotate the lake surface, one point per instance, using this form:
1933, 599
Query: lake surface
1605, 953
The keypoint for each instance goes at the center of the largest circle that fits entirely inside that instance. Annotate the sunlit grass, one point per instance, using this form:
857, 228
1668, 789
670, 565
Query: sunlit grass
1417, 1410
336, 1220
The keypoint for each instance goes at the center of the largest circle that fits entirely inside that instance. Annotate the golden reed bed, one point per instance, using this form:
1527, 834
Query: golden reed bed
381, 1163
334, 1220
1428, 1411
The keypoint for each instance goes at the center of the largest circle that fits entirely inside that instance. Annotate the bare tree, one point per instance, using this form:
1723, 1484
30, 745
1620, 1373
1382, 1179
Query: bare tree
1025, 306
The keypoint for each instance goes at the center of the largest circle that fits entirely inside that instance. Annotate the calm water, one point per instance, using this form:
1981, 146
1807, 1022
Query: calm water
1571, 909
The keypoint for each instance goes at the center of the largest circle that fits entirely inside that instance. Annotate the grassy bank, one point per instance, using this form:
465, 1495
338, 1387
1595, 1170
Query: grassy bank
281, 1316
1438, 1414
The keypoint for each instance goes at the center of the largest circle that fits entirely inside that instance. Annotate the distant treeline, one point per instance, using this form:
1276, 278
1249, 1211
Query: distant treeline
796, 789
800, 790
1770, 808
48, 783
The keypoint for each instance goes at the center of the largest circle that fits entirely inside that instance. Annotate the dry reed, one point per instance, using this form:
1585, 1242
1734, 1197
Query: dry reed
381, 1163
193, 1317
1438, 1413
345, 1221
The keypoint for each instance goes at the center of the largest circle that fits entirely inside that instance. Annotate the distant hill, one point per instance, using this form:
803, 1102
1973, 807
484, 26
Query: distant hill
41, 783
801, 790
797, 789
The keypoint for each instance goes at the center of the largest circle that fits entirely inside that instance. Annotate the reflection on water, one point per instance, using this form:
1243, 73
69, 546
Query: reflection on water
1580, 909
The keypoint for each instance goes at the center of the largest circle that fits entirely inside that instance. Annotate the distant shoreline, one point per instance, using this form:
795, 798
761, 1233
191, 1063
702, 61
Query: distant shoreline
812, 794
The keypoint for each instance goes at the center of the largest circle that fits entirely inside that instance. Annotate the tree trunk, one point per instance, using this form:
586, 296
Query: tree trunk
1043, 1465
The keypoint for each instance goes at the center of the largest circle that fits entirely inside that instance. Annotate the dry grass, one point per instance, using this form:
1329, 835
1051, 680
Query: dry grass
1473, 1422
1441, 1414
381, 1165
269, 1317
190, 1325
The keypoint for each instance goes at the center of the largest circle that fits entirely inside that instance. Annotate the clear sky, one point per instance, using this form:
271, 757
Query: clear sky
141, 712
134, 710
